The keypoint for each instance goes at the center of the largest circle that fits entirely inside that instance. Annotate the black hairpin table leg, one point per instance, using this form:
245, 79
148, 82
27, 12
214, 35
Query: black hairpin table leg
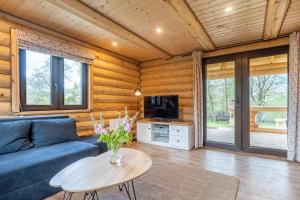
127, 189
121, 187
91, 196
67, 195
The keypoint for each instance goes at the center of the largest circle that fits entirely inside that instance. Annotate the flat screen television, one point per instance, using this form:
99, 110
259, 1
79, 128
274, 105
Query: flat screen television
161, 107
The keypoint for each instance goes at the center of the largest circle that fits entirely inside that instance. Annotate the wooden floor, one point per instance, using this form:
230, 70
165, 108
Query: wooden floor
261, 177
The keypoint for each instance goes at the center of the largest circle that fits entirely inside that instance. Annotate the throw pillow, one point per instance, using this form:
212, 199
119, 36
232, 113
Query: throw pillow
52, 131
14, 136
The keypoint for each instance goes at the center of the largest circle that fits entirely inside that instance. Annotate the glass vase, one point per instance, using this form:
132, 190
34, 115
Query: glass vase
115, 155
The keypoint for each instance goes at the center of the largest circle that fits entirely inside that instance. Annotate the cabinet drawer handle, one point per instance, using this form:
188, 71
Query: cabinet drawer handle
178, 141
177, 130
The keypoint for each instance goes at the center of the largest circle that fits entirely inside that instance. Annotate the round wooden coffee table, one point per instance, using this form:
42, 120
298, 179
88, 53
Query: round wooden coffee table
92, 174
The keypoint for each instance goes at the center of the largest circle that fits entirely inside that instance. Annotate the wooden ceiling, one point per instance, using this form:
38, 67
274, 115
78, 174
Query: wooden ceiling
185, 25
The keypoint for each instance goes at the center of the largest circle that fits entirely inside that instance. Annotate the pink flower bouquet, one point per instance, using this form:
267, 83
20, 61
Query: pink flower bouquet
115, 138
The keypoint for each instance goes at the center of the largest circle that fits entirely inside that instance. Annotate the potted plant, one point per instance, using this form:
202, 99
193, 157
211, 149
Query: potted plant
115, 138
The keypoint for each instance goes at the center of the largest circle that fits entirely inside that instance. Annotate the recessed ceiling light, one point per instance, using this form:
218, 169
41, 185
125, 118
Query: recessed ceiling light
158, 30
228, 9
114, 44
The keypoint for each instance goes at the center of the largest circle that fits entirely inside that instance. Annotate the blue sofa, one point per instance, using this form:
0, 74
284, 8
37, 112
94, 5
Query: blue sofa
34, 149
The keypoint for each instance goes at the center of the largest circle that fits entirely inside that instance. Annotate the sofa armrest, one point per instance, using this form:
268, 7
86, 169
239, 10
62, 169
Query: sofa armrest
94, 140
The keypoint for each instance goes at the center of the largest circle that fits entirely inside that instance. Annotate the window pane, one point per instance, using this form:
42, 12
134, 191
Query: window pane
72, 82
38, 78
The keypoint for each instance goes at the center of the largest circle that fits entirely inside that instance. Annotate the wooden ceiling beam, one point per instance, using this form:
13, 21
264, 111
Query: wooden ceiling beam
275, 15
185, 15
53, 33
248, 47
88, 14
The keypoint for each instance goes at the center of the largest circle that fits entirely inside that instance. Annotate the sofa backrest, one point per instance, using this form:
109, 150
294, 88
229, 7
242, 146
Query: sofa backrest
11, 119
42, 131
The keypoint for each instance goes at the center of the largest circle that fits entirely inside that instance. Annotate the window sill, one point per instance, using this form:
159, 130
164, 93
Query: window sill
52, 112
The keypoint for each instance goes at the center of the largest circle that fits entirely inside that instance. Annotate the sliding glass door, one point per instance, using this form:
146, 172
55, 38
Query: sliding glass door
246, 101
267, 101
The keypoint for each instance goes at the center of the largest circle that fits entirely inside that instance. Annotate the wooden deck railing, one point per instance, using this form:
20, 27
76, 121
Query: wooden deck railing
254, 127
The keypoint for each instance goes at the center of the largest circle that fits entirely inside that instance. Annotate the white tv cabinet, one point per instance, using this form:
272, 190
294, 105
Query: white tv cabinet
171, 134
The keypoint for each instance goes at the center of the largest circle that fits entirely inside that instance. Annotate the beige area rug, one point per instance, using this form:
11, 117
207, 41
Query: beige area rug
172, 181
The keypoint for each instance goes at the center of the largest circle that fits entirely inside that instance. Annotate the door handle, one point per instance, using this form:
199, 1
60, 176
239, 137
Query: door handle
55, 86
236, 102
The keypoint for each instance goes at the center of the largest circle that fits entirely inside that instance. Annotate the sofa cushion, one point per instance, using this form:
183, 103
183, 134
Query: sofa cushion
24, 168
41, 191
53, 131
14, 136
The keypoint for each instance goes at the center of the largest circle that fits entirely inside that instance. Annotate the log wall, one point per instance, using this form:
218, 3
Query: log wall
112, 83
174, 77
5, 79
